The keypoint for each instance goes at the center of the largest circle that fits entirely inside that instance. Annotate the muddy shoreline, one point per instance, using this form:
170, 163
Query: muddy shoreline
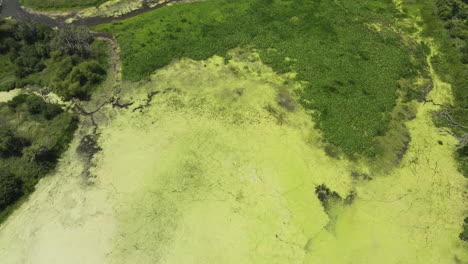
12, 8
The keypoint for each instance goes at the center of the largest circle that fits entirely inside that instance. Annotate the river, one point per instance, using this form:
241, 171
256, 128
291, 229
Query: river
12, 8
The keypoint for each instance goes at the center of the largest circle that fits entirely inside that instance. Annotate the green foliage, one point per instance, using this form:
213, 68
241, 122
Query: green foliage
31, 32
81, 80
349, 71
60, 4
33, 53
10, 189
10, 144
72, 39
464, 234
33, 135
35, 104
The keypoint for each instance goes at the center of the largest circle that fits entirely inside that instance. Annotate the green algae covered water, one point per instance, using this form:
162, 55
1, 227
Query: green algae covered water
214, 162
220, 173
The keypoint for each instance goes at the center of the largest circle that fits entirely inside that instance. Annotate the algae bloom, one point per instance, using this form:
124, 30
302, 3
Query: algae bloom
209, 165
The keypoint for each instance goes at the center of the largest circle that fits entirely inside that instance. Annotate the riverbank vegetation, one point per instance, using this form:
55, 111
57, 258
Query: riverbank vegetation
349, 71
60, 4
33, 135
445, 21
68, 61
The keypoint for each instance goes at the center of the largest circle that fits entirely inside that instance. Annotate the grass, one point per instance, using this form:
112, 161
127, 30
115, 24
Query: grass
60, 4
349, 71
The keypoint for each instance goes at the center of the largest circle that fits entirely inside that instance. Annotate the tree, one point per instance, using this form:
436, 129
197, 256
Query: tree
81, 80
72, 39
31, 32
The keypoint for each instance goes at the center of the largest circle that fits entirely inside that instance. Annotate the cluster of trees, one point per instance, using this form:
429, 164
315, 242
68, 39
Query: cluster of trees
35, 105
33, 135
67, 60
455, 15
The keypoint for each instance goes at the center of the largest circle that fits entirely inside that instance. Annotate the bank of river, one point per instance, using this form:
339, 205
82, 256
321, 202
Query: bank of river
12, 8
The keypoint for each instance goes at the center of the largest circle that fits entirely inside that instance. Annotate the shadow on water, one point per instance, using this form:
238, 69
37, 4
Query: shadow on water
12, 8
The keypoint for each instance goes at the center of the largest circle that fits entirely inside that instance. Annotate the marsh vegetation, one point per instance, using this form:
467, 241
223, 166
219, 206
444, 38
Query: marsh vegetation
349, 71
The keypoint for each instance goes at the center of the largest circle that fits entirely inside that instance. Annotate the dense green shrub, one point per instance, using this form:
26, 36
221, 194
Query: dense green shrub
81, 80
10, 144
51, 111
35, 104
42, 56
10, 189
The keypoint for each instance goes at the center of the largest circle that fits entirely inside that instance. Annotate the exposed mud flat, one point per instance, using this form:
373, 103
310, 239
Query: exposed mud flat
206, 165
